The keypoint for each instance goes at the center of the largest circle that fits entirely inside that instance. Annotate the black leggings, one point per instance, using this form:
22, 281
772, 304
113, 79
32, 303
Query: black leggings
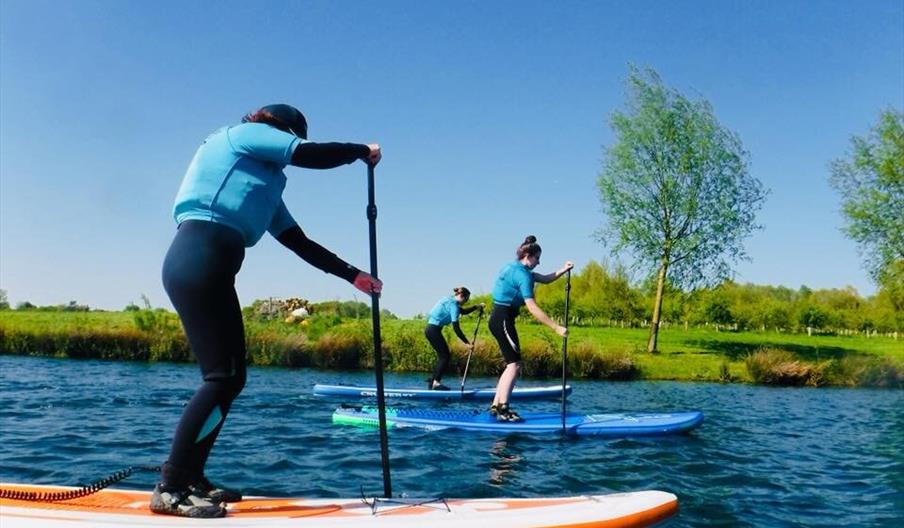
502, 326
435, 337
199, 277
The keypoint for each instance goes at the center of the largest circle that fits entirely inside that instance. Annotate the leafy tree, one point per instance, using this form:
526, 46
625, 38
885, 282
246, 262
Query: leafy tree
891, 285
357, 310
4, 302
623, 302
73, 306
675, 302
776, 315
587, 292
718, 311
871, 183
885, 310
814, 316
596, 293
675, 189
348, 310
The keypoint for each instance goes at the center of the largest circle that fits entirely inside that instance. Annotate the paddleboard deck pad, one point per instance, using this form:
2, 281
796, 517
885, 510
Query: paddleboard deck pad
488, 393
606, 425
122, 508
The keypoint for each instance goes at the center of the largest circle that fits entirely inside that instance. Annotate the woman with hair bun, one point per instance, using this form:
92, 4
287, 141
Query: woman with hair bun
515, 287
230, 196
447, 310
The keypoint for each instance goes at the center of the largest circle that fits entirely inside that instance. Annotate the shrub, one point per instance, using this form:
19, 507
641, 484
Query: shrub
725, 372
155, 320
406, 349
103, 345
883, 373
540, 359
485, 360
339, 350
171, 346
854, 371
771, 366
585, 360
276, 350
85, 343
318, 325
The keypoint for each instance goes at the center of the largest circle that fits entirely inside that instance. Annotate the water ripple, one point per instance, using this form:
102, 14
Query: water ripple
763, 457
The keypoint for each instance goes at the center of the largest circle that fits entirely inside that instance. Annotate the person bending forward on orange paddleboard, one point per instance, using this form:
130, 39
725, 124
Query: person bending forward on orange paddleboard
230, 195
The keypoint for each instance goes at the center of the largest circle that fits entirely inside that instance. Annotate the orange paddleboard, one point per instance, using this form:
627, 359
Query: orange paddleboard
122, 508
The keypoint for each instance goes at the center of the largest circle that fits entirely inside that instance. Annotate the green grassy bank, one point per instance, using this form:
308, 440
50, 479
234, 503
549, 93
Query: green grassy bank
594, 352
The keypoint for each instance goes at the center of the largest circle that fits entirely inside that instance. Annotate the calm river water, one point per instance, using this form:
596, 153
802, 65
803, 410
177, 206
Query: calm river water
763, 457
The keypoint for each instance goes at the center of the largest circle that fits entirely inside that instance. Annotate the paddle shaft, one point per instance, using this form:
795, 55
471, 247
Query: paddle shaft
471, 351
378, 346
565, 347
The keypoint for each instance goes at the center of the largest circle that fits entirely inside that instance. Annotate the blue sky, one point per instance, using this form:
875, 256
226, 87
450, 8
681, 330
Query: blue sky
492, 117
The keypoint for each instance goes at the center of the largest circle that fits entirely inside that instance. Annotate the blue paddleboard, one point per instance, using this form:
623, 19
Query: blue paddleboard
519, 393
603, 424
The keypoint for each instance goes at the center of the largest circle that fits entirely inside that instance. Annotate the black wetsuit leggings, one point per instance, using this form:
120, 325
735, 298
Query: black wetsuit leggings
434, 335
502, 326
199, 277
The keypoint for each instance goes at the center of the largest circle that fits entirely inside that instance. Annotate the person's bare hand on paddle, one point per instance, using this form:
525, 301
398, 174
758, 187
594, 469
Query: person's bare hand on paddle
368, 284
375, 154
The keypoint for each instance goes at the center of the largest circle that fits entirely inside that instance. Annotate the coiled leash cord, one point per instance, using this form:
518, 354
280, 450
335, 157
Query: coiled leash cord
39, 496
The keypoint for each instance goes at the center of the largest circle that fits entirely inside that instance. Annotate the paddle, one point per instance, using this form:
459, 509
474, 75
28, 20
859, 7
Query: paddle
378, 347
471, 351
565, 347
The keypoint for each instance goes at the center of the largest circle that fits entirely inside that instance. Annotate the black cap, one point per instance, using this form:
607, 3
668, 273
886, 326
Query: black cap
282, 116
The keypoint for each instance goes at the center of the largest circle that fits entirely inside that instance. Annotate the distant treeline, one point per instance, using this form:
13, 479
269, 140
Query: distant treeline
606, 297
602, 297
326, 339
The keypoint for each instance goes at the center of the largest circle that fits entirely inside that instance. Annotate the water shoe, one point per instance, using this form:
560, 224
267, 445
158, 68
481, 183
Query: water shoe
184, 503
213, 492
506, 414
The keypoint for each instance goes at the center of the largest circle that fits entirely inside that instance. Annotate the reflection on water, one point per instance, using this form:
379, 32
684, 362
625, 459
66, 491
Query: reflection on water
505, 461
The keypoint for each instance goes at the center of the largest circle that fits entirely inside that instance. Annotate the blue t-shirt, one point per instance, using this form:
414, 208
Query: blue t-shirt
236, 178
446, 311
513, 284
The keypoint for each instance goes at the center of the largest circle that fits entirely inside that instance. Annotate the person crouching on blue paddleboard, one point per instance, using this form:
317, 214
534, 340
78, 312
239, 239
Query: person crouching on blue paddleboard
230, 195
515, 287
447, 310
